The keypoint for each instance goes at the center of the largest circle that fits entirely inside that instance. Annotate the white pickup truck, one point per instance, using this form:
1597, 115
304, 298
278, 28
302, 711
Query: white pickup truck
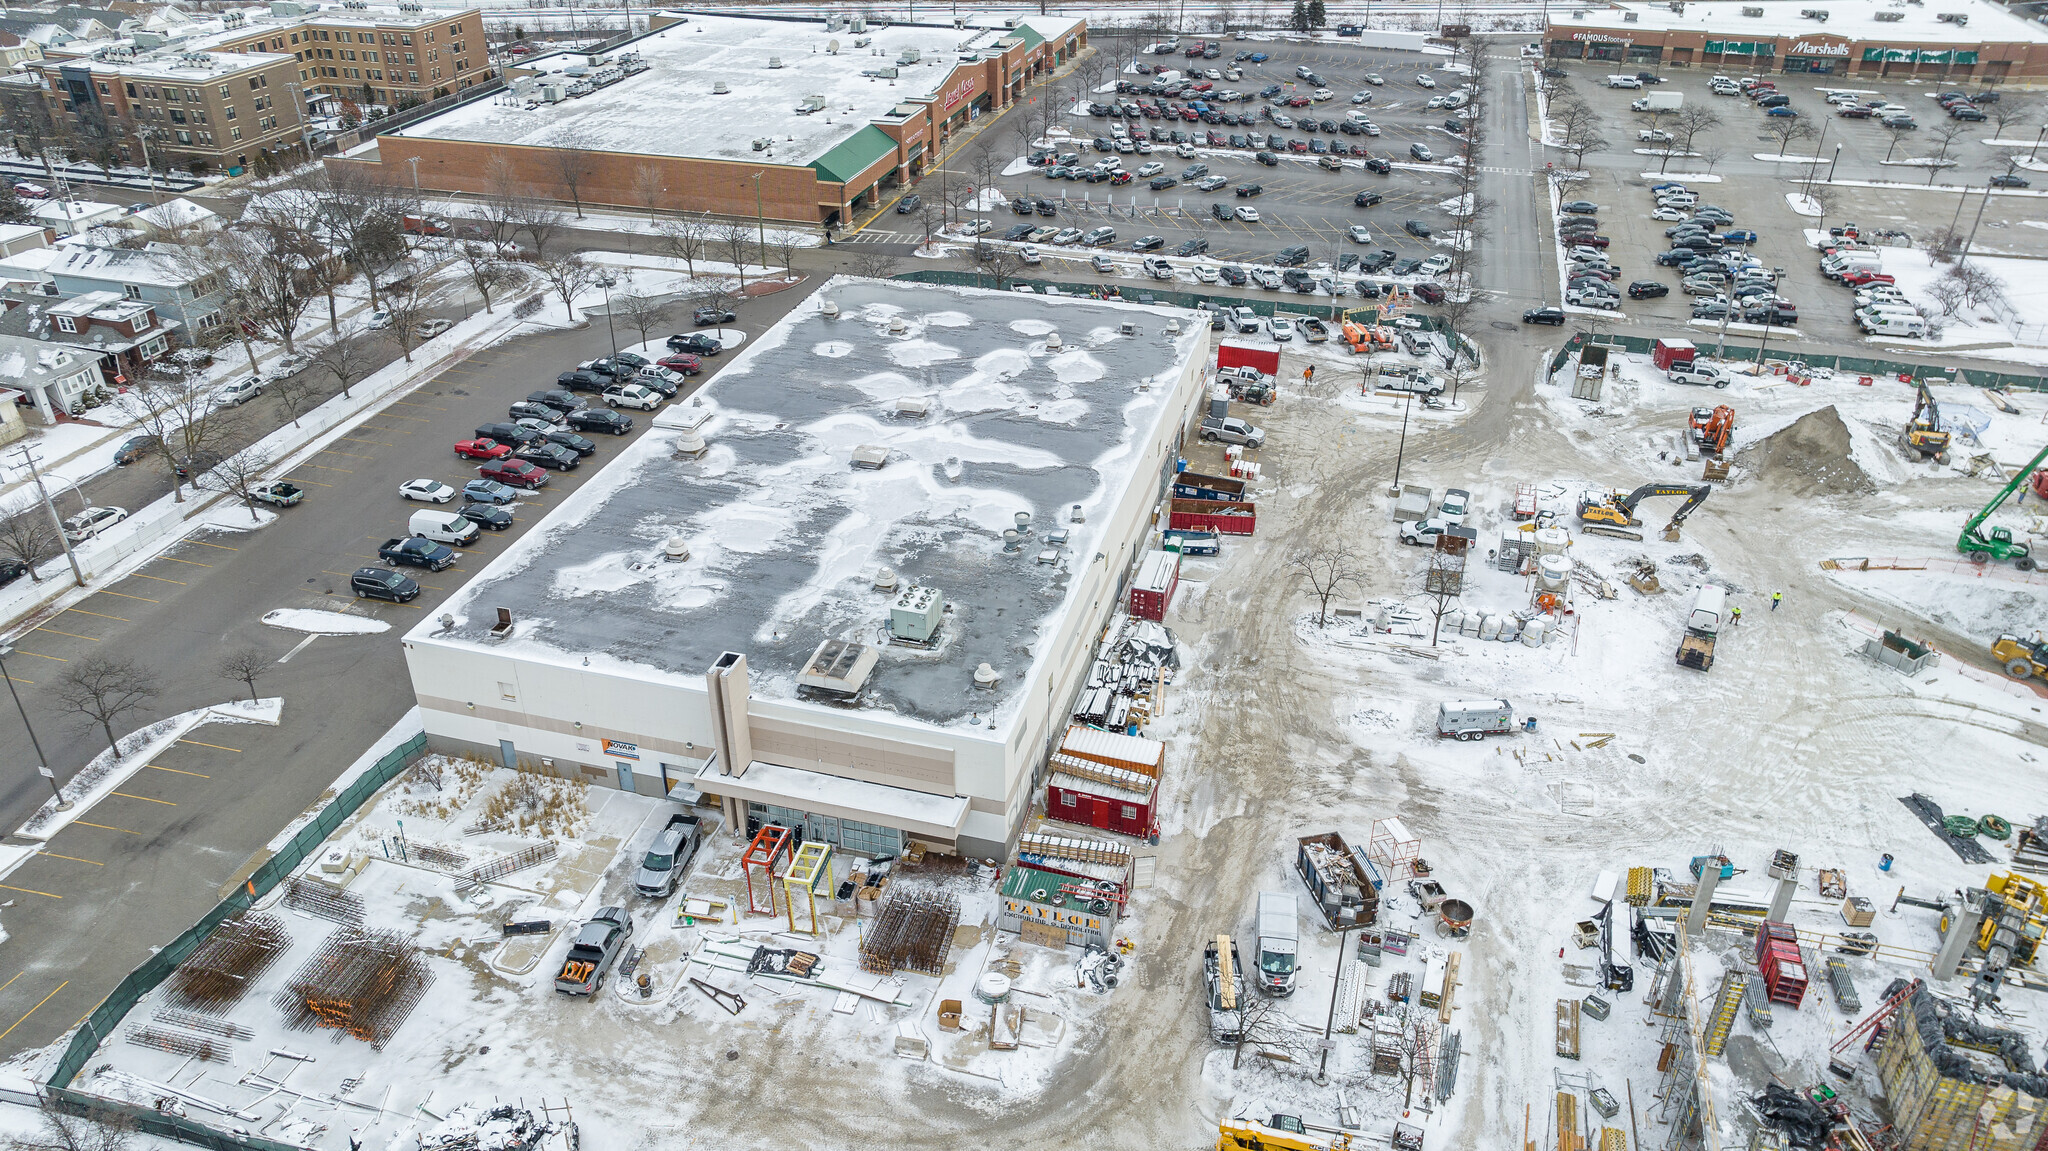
1695, 372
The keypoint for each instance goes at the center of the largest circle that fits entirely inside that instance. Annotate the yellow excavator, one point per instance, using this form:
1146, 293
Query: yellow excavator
1924, 436
1278, 1133
1614, 513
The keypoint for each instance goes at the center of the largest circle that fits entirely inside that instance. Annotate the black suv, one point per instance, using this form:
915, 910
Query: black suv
1378, 164
1231, 274
582, 381
487, 517
380, 583
512, 434
1647, 290
1416, 228
1383, 259
556, 398
1366, 199
1552, 316
1293, 257
1194, 247
553, 457
597, 420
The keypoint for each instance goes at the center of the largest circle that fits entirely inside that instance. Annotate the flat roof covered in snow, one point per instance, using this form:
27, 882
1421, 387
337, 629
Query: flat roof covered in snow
786, 536
1917, 23
670, 109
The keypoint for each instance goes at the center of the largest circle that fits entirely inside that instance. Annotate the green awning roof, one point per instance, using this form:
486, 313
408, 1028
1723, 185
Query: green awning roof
854, 155
1029, 35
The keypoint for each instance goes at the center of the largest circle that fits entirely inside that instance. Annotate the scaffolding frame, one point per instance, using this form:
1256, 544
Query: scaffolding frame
1394, 848
812, 866
770, 845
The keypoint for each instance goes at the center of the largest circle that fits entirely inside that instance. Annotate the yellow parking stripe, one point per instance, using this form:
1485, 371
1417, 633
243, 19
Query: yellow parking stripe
143, 798
159, 579
44, 999
82, 611
176, 771
176, 560
54, 631
72, 858
214, 746
103, 827
206, 544
125, 595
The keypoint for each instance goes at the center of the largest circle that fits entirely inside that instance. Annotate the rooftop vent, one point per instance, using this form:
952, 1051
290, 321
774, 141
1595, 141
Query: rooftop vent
897, 327
885, 580
1052, 342
1057, 537
676, 550
870, 456
761, 143
1077, 516
912, 407
1887, 17
1957, 18
1013, 540
1756, 11
838, 668
775, 61
718, 88
503, 627
914, 617
829, 310
986, 677
1820, 14
1024, 522
690, 445
1630, 17
862, 41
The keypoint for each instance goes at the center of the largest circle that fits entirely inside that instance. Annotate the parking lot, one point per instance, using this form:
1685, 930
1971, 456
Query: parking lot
1851, 155
1299, 204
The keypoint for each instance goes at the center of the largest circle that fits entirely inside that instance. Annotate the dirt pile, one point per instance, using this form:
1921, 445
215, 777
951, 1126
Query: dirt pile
1809, 457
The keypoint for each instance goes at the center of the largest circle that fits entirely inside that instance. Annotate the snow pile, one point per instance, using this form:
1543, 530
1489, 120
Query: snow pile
323, 622
1810, 457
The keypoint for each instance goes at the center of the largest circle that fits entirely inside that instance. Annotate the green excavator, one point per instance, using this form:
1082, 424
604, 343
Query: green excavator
1999, 544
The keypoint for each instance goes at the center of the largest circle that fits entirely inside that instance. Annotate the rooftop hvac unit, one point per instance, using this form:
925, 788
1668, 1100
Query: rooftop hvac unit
860, 24
1820, 14
909, 56
834, 22
761, 143
232, 19
718, 88
912, 407
914, 617
870, 456
1630, 17
775, 61
551, 93
1009, 21
1957, 18
1887, 17
862, 41
1758, 11
285, 8
811, 104
839, 668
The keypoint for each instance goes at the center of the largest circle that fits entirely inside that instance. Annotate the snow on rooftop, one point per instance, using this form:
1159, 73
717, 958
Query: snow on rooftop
669, 110
786, 536
1918, 24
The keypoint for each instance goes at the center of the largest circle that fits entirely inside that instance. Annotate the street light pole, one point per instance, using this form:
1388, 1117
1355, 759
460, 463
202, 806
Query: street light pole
28, 458
42, 763
1836, 160
2036, 149
1407, 402
607, 281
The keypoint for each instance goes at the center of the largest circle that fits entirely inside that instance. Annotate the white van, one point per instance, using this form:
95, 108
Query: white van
1909, 327
1709, 610
1456, 100
1166, 76
443, 526
1278, 942
1842, 263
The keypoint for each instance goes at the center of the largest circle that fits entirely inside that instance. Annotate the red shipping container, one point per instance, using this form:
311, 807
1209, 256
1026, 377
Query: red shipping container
1158, 575
1220, 516
1234, 356
1105, 798
1669, 352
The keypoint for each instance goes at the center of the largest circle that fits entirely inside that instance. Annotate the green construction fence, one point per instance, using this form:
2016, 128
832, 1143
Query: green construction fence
99, 1026
1851, 365
1178, 299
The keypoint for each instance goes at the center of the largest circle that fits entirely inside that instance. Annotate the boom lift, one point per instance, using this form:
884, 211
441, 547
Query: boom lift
1924, 435
1999, 544
1611, 515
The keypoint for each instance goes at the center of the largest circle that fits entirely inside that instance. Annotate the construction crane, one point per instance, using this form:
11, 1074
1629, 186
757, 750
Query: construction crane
1611, 514
2000, 545
1713, 428
1924, 435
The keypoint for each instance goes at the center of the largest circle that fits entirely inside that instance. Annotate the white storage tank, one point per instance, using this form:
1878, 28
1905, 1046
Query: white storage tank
1552, 541
1552, 572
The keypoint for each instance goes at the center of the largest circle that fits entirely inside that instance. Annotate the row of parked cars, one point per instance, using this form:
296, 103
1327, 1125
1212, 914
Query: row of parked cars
1881, 308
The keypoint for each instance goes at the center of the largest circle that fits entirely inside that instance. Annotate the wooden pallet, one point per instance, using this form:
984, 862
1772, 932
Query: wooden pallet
1567, 1029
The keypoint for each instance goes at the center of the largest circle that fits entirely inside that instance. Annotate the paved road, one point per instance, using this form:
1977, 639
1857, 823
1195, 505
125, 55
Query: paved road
148, 862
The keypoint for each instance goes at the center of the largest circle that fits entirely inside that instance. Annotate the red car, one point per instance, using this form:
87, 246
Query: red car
483, 449
517, 473
1120, 179
1297, 145
1865, 279
687, 365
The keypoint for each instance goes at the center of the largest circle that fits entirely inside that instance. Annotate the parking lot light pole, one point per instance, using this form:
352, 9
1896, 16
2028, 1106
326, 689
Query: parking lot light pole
2036, 149
42, 764
1838, 159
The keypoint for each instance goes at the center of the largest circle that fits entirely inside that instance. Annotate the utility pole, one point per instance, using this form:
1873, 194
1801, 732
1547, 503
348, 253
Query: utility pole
760, 223
42, 763
28, 458
1972, 238
1329, 1021
1407, 402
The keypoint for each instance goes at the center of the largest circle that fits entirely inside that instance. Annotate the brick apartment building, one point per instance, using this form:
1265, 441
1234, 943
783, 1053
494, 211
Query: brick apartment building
799, 119
206, 111
395, 56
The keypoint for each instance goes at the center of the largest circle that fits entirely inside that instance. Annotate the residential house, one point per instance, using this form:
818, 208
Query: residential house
15, 48
175, 221
52, 375
75, 217
22, 237
124, 333
186, 296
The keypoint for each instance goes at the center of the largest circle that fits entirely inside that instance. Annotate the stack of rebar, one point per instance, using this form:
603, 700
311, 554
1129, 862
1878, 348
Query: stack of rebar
316, 898
225, 1028
444, 857
361, 982
202, 1047
914, 931
221, 969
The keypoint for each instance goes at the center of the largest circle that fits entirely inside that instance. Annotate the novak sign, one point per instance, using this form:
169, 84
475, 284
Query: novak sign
1820, 48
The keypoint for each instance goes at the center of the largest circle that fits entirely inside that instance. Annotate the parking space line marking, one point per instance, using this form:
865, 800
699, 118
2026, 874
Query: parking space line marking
143, 798
350, 455
303, 645
372, 443
43, 1000
175, 770
429, 407
82, 611
403, 416
72, 858
103, 827
324, 468
54, 631
10, 983
146, 575
176, 560
315, 483
203, 543
31, 891
18, 679
215, 746
125, 595
40, 655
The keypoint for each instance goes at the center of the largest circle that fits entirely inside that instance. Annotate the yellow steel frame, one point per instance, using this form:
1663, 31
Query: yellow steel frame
811, 867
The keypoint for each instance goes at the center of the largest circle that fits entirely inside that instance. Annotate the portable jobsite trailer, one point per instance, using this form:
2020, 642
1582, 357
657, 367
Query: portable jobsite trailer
1097, 795
1054, 910
1152, 589
1130, 752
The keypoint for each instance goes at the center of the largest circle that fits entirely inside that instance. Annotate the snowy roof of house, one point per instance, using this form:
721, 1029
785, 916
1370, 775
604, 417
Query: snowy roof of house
670, 110
1917, 23
178, 213
12, 232
74, 210
118, 265
786, 535
23, 360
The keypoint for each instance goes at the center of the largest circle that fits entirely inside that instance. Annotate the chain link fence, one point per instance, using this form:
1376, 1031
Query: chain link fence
1851, 365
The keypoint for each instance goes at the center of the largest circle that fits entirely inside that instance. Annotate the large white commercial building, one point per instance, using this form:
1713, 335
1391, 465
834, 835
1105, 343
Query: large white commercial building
853, 645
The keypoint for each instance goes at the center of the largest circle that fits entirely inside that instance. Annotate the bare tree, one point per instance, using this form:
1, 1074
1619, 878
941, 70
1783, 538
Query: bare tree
242, 666
650, 188
349, 358
63, 1131
1586, 142
1266, 1030
683, 238
874, 264
28, 536
1897, 132
1442, 585
100, 689
1788, 132
497, 211
731, 240
643, 313
297, 394
1945, 137
1686, 127
2010, 109
187, 427
932, 215
783, 245
363, 221
540, 221
999, 262
1573, 118
487, 271
238, 475
406, 306
1713, 154
572, 165
567, 273
1328, 570
1948, 294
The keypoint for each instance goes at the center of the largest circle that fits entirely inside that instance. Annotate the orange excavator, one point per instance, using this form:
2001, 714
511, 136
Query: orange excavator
1713, 428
